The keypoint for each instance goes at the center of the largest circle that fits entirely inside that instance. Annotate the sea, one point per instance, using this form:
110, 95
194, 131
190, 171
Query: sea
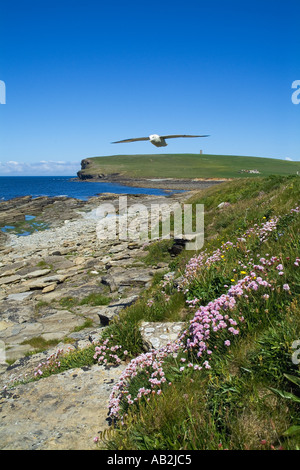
35, 186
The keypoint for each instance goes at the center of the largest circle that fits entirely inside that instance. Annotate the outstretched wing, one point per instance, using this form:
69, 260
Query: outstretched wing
181, 135
131, 140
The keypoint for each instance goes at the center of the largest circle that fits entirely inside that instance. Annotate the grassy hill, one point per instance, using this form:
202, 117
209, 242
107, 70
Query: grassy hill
186, 166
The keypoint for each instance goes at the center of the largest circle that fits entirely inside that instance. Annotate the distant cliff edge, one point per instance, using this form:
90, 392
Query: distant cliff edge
87, 171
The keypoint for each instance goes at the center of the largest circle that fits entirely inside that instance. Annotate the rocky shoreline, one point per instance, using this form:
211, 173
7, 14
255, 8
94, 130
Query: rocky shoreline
44, 277
66, 260
168, 184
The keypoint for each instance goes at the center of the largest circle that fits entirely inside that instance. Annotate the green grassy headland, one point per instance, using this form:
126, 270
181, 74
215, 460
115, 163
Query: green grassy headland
186, 166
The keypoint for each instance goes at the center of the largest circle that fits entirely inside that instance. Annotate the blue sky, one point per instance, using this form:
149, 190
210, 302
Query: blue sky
81, 74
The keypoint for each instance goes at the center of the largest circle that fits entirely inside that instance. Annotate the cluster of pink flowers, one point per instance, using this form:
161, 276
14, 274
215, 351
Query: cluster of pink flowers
196, 263
261, 231
51, 364
210, 318
168, 279
106, 354
215, 316
152, 363
205, 260
268, 227
221, 314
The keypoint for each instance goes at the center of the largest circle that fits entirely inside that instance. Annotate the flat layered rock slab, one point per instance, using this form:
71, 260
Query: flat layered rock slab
119, 277
10, 279
19, 297
41, 282
158, 334
11, 268
61, 412
55, 326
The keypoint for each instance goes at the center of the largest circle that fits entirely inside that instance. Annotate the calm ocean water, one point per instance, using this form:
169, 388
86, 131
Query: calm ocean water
15, 186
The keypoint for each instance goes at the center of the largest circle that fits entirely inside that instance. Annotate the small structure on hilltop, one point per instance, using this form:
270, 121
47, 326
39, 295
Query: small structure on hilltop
249, 171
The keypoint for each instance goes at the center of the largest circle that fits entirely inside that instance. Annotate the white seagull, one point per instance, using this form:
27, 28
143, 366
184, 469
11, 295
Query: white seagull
157, 140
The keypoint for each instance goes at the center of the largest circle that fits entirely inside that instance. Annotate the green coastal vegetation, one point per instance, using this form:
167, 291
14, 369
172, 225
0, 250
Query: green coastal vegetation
233, 391
232, 380
187, 166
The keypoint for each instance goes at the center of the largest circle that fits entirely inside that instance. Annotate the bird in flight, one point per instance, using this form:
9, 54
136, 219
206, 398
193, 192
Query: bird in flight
157, 140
